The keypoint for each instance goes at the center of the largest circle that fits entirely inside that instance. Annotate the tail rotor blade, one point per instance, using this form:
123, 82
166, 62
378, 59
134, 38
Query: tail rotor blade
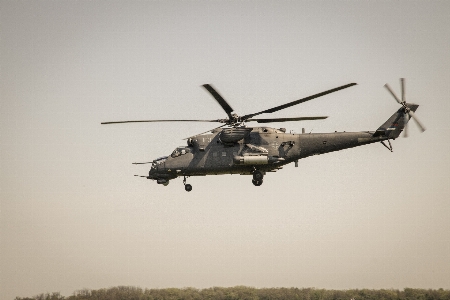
406, 127
408, 108
392, 93
413, 115
402, 83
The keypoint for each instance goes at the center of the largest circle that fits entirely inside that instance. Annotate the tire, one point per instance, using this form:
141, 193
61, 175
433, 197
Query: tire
257, 182
258, 175
188, 187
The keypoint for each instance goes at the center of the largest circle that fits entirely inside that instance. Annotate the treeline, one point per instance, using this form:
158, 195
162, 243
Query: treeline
245, 293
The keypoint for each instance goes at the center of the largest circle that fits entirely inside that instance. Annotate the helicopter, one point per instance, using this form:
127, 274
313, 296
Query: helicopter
234, 148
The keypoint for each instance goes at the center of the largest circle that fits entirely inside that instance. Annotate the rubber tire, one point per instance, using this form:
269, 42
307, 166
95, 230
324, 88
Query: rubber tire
257, 182
188, 187
258, 175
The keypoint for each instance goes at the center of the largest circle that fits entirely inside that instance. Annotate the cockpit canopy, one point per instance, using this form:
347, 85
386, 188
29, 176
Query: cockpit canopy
159, 160
181, 150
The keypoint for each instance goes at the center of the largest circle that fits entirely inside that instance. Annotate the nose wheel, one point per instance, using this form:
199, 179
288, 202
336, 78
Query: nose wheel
257, 182
187, 186
257, 177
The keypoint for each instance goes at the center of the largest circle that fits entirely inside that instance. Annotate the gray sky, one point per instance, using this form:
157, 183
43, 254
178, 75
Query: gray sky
73, 216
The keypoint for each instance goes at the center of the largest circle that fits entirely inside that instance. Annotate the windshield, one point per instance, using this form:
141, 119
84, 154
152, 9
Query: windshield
180, 151
159, 160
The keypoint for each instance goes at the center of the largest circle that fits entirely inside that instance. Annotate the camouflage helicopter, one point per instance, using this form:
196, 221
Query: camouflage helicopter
234, 148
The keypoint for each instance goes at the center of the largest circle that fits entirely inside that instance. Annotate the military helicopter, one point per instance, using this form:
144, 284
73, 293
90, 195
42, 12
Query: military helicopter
234, 148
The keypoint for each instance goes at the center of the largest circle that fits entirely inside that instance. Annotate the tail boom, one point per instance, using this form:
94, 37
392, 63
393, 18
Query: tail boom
392, 128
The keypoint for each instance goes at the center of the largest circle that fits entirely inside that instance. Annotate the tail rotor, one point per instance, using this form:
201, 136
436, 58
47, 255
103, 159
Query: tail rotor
408, 112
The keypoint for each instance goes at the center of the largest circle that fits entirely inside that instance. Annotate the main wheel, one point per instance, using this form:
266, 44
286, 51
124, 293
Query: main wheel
257, 182
257, 175
188, 187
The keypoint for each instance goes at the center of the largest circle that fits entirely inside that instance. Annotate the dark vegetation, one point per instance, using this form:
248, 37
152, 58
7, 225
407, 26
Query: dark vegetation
243, 292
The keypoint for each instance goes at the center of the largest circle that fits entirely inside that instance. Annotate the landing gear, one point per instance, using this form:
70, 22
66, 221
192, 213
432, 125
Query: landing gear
257, 182
257, 177
390, 146
187, 187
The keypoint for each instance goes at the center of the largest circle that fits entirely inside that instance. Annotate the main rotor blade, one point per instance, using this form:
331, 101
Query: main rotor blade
207, 131
146, 121
392, 93
285, 119
277, 108
413, 115
226, 107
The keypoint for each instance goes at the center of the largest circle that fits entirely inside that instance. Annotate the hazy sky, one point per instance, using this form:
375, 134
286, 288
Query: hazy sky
73, 216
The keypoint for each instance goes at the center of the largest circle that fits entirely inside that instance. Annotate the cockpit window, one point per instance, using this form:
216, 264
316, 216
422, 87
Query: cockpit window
180, 151
158, 161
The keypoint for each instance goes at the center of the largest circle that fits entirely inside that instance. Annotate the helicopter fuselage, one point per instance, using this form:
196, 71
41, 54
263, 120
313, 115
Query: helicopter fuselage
263, 148
238, 149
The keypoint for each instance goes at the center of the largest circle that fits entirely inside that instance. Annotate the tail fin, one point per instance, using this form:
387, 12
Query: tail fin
396, 123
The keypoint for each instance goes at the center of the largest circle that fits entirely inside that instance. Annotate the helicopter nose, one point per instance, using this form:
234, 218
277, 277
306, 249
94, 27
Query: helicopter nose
152, 173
